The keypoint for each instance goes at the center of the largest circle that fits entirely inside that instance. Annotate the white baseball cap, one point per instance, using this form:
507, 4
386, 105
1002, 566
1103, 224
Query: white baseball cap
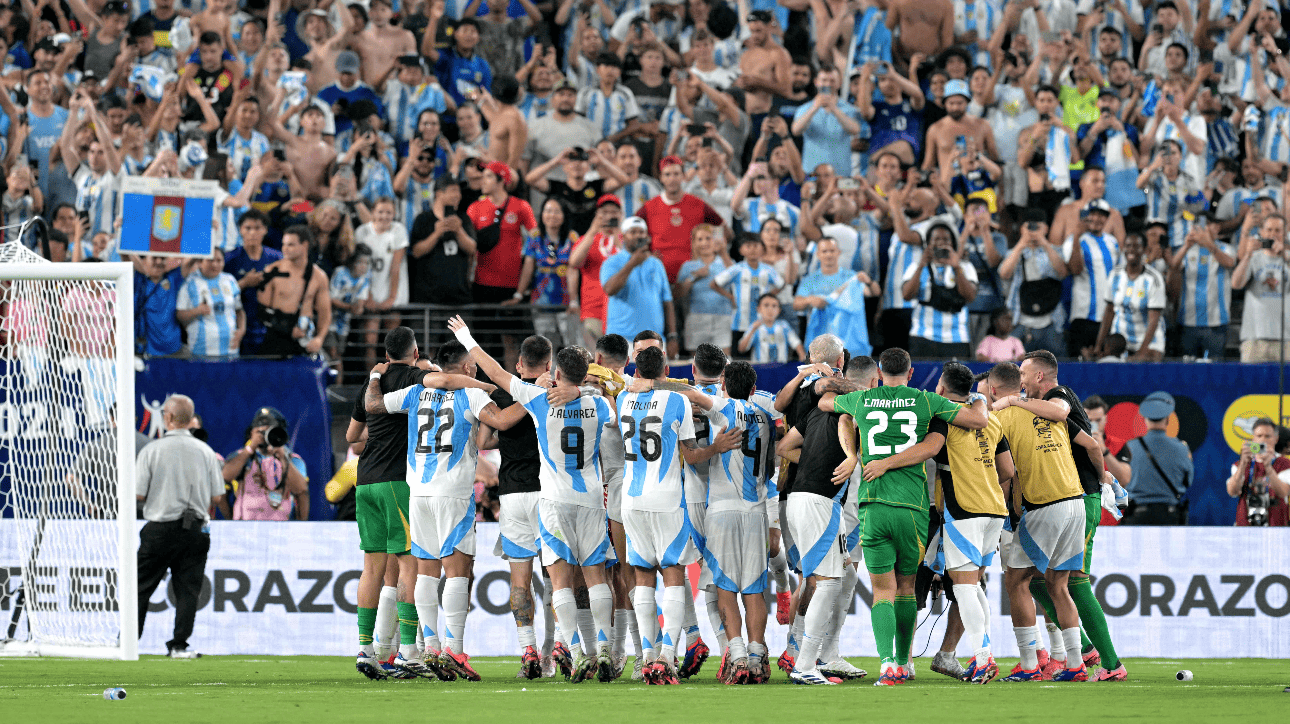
634, 222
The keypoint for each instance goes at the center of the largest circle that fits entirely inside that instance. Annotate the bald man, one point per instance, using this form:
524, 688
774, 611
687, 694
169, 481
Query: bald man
177, 480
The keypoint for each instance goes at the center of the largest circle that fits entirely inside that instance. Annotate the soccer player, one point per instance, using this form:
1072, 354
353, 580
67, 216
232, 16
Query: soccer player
970, 467
655, 425
571, 507
1051, 400
441, 475
891, 419
519, 491
1051, 528
735, 547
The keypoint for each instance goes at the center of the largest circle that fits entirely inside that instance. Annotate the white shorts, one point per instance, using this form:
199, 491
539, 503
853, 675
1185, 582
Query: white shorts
1010, 553
572, 533
772, 513
442, 525
971, 542
712, 328
817, 529
658, 540
1053, 536
698, 513
614, 500
517, 525
851, 525
736, 550
786, 536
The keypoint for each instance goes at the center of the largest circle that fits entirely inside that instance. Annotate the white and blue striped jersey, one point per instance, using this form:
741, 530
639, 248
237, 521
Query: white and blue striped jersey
415, 197
1132, 299
1274, 134
610, 113
747, 285
653, 424
243, 152
634, 194
979, 15
132, 166
901, 258
696, 476
16, 213
1115, 19
1101, 255
774, 343
441, 438
1205, 300
224, 230
1166, 201
211, 335
931, 323
1193, 163
737, 478
405, 103
1230, 205
754, 212
347, 289
569, 439
99, 196
1242, 82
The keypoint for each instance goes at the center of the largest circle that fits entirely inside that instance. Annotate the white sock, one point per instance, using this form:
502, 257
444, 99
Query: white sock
587, 629
795, 634
1056, 646
426, 596
621, 617
846, 593
421, 639
602, 612
548, 615
527, 636
714, 616
1027, 642
985, 609
756, 654
634, 631
779, 569
673, 615
737, 649
973, 620
646, 620
566, 612
691, 621
385, 635
1070, 636
819, 617
456, 601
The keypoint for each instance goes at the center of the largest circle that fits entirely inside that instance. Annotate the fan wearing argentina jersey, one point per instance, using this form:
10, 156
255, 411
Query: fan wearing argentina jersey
1090, 256
942, 284
656, 425
894, 502
970, 469
442, 454
571, 505
745, 283
1051, 531
738, 531
211, 306
1135, 303
1201, 269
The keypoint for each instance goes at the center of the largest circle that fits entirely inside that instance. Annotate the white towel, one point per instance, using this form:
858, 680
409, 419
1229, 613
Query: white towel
1057, 153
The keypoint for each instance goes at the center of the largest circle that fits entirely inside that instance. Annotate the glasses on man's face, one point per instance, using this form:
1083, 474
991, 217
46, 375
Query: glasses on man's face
425, 158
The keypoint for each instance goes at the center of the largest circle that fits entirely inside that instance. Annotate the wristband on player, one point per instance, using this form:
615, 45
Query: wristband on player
972, 398
374, 376
467, 341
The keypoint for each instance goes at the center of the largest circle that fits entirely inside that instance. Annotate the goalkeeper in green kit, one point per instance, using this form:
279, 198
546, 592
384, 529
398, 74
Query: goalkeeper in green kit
900, 428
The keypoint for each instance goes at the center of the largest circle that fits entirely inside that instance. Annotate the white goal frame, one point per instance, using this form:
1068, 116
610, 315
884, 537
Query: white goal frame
122, 276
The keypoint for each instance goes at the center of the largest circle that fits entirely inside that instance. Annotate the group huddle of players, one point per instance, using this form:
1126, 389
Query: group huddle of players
608, 482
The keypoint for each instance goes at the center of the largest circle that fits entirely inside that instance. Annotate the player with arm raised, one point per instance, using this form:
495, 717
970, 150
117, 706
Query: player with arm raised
443, 424
892, 419
571, 509
656, 425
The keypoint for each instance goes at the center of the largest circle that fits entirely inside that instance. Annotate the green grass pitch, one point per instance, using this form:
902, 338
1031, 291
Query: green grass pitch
245, 689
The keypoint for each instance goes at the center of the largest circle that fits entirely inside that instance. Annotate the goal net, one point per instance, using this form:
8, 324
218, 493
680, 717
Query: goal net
67, 446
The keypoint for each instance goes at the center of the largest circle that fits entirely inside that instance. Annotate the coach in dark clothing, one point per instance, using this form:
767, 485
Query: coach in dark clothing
1162, 469
177, 479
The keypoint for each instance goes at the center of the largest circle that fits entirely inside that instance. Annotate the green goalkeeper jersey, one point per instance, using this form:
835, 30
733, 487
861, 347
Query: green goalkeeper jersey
892, 420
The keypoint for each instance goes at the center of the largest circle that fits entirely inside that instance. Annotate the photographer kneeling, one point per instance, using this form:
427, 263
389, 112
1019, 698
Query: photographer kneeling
941, 285
1261, 478
265, 476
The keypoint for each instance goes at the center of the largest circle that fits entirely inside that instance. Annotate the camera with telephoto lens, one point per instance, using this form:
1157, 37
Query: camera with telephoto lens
276, 436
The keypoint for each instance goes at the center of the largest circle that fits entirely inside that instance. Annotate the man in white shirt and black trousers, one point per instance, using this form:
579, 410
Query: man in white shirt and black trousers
177, 479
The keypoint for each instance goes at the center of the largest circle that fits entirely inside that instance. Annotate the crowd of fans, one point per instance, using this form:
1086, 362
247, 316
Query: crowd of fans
934, 170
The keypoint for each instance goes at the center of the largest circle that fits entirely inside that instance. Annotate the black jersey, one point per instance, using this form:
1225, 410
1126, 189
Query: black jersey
385, 458
519, 450
1090, 477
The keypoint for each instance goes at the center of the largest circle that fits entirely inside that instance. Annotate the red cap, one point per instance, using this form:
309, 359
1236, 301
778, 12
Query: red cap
501, 171
670, 161
609, 199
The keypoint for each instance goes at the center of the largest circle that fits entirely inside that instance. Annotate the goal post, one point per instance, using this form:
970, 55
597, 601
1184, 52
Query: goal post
68, 540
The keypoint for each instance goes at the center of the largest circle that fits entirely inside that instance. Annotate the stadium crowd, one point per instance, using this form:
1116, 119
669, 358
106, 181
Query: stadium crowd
924, 180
